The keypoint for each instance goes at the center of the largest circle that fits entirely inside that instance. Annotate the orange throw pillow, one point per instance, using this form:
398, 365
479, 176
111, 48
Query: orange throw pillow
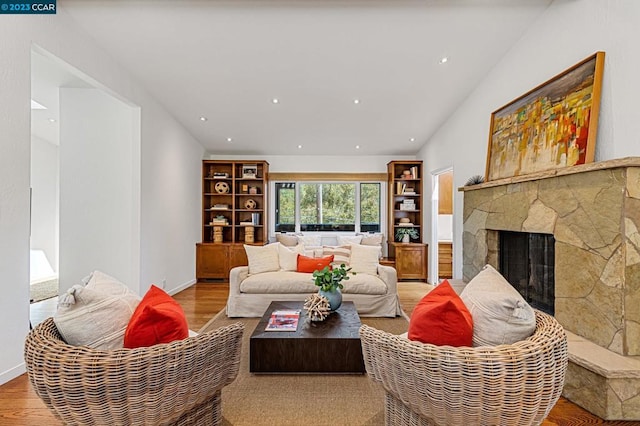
441, 318
158, 318
310, 264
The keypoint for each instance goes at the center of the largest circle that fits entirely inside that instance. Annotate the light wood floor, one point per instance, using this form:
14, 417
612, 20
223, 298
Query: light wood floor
20, 406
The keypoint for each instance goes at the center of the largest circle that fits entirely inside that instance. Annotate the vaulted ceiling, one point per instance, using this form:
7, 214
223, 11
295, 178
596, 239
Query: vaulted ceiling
346, 73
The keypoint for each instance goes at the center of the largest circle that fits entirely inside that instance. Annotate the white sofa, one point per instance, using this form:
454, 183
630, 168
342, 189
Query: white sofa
250, 295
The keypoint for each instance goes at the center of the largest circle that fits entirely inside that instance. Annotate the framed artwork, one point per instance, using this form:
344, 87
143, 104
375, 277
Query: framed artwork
550, 127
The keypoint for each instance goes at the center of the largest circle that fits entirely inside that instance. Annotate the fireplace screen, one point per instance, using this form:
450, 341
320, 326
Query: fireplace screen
527, 262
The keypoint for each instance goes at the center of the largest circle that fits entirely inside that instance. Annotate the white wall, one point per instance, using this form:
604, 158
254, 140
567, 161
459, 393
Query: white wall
162, 184
566, 33
171, 202
44, 199
99, 206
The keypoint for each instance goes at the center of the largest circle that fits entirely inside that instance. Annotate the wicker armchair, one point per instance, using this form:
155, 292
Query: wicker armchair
515, 384
179, 383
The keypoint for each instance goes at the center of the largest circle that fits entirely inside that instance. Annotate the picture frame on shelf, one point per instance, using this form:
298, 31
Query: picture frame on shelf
552, 126
249, 171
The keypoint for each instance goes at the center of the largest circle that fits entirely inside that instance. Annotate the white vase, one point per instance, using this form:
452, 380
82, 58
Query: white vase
406, 238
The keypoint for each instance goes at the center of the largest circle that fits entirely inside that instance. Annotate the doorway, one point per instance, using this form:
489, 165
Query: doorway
85, 180
441, 242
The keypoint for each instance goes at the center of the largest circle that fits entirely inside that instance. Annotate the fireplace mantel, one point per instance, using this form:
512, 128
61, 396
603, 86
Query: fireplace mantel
601, 165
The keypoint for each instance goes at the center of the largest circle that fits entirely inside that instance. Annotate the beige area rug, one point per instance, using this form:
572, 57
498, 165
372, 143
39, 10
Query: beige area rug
301, 399
44, 290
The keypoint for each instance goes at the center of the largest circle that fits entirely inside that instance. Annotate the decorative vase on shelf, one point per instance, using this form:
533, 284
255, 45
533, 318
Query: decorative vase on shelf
406, 238
334, 296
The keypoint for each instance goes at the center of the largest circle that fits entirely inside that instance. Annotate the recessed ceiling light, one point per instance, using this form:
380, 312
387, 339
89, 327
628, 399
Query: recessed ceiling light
275, 100
356, 101
37, 105
444, 60
412, 139
52, 120
299, 146
357, 146
229, 139
203, 118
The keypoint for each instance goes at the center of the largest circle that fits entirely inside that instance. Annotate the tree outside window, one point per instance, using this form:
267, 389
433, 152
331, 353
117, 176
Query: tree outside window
328, 206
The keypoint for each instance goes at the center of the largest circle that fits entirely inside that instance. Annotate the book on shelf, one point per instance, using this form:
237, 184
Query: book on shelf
255, 218
246, 223
220, 175
220, 207
283, 320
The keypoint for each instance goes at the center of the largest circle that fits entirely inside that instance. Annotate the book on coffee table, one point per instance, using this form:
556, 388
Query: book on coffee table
283, 320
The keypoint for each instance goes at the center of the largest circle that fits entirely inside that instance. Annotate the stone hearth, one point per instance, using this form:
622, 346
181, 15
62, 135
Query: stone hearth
593, 211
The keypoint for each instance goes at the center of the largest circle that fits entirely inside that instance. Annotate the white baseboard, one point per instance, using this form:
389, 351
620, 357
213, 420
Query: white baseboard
182, 287
12, 373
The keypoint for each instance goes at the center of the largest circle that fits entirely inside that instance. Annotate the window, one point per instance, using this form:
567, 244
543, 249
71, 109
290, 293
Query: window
370, 207
327, 206
285, 207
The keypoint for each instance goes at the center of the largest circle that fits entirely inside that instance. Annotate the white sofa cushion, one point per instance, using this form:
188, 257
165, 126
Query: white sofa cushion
279, 282
341, 254
500, 314
262, 258
344, 240
284, 282
313, 251
371, 240
310, 240
364, 259
288, 257
289, 240
364, 284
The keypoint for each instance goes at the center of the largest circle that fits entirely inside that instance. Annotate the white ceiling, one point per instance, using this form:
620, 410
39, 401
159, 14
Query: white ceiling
227, 60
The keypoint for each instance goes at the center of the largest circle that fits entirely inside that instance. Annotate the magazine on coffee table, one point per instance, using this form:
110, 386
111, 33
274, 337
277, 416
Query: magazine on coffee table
283, 320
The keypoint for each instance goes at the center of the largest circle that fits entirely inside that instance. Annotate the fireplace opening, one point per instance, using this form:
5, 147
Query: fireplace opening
526, 260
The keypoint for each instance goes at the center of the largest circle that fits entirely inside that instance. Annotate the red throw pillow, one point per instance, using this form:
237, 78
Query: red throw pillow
158, 318
310, 264
441, 318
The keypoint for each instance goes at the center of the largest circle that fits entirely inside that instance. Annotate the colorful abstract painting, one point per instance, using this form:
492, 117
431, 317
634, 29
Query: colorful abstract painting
552, 126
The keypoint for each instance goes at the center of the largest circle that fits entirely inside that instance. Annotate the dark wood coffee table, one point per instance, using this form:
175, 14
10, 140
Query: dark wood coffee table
329, 346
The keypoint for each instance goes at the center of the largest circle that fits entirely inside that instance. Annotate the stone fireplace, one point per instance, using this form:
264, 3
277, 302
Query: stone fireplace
593, 213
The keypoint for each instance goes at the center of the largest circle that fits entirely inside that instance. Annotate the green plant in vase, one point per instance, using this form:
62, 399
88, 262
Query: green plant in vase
404, 234
330, 283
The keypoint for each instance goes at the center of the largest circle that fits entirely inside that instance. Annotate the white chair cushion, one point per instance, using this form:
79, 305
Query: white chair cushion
500, 314
96, 314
